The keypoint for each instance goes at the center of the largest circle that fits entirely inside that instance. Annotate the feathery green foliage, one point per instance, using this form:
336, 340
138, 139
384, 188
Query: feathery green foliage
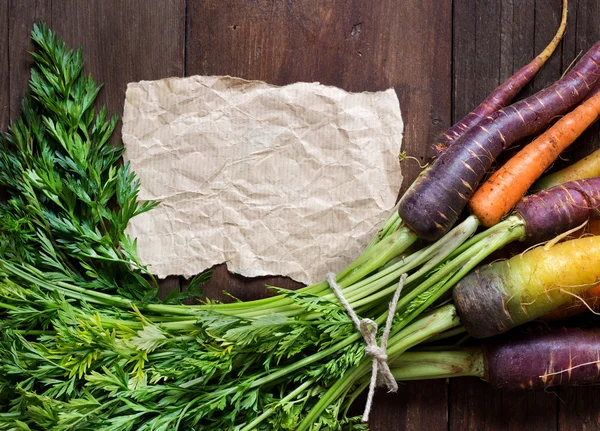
70, 200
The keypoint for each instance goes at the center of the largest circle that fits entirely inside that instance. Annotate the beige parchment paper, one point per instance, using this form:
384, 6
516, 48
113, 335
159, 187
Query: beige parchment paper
290, 180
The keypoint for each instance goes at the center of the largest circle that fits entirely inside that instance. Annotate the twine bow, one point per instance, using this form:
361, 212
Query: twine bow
380, 370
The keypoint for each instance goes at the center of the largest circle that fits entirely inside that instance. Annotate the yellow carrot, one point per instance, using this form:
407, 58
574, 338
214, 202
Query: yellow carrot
587, 167
499, 296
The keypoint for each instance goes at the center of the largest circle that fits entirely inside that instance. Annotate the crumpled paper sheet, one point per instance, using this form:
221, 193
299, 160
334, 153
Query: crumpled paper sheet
291, 180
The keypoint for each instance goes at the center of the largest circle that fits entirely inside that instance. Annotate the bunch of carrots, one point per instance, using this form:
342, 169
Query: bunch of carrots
555, 278
295, 359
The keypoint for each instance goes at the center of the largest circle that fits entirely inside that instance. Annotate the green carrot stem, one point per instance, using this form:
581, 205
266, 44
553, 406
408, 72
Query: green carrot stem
449, 334
88, 295
33, 332
482, 249
430, 365
287, 306
361, 289
441, 320
439, 364
502, 226
392, 224
389, 248
8, 306
465, 262
428, 257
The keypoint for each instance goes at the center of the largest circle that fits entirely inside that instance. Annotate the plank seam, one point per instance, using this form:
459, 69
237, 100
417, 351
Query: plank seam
185, 35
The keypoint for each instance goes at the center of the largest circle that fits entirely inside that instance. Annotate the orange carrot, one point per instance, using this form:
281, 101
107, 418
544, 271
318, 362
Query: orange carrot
496, 196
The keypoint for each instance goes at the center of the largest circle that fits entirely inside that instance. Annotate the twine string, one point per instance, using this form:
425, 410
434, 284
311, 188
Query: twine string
381, 374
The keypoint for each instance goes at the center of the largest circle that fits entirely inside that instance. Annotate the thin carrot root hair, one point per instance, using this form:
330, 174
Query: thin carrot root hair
403, 156
569, 369
571, 64
582, 300
558, 287
551, 243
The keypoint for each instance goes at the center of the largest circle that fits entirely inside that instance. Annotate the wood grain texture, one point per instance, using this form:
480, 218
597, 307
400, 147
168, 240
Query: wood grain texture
475, 406
416, 406
124, 41
442, 57
578, 409
22, 16
4, 65
358, 46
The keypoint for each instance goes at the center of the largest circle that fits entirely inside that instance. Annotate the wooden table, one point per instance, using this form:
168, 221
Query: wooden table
441, 56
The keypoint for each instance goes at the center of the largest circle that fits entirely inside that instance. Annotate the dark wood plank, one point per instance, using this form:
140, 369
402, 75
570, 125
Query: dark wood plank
547, 19
4, 64
226, 287
22, 16
358, 46
578, 409
169, 284
338, 43
475, 406
416, 406
124, 41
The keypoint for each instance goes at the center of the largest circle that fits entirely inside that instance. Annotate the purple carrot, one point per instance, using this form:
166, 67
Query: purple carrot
560, 357
538, 358
551, 212
504, 93
434, 202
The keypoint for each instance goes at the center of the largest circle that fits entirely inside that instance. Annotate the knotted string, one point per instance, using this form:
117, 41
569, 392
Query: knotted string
380, 370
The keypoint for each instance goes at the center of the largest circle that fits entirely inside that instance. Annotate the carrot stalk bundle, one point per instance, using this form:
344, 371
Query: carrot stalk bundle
539, 359
504, 93
434, 202
466, 257
503, 189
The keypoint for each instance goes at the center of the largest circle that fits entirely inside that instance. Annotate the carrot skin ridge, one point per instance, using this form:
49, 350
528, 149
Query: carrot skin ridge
499, 98
434, 202
505, 187
503, 94
546, 358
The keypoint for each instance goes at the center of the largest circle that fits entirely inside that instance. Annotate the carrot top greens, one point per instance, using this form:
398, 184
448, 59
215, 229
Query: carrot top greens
70, 200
